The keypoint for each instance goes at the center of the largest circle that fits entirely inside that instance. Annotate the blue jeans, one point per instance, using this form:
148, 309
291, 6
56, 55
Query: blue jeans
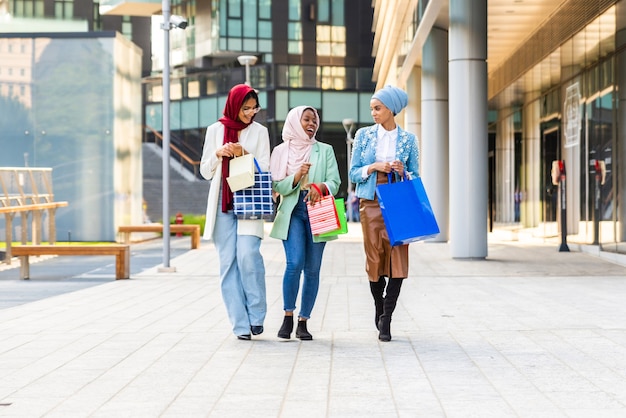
242, 273
303, 255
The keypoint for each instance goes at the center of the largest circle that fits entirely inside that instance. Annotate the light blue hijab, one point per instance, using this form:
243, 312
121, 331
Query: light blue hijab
393, 98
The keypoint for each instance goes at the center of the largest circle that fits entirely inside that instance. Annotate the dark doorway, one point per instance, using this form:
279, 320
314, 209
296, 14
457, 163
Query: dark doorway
550, 151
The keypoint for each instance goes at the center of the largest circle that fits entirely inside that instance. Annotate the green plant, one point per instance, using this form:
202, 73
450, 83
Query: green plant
192, 219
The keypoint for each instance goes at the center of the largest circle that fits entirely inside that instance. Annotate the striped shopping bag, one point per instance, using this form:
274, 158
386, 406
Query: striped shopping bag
323, 215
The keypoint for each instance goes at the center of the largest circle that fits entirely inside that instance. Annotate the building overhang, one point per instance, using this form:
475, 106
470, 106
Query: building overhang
130, 8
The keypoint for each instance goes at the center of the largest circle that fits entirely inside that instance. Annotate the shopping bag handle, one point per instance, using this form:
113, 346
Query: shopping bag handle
403, 177
317, 189
256, 163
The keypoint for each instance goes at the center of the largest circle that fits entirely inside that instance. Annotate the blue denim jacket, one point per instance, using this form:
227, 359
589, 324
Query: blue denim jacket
364, 154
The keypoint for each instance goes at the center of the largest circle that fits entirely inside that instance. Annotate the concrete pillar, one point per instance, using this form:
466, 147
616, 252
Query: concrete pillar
531, 162
434, 161
505, 167
468, 128
413, 112
620, 71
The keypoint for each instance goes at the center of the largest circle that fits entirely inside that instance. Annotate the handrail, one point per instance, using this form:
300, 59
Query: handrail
184, 157
21, 185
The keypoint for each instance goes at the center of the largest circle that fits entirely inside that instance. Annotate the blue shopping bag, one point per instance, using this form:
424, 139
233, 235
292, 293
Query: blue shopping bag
406, 211
255, 202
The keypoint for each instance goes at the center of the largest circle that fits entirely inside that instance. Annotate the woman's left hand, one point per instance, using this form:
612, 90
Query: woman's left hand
398, 167
313, 196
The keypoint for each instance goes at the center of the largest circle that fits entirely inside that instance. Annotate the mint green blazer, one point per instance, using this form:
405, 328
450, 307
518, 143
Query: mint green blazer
323, 169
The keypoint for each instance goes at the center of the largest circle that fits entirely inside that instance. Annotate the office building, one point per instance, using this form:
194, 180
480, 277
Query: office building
503, 89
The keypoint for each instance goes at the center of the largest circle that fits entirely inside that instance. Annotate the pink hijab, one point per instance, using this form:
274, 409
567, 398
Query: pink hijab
296, 147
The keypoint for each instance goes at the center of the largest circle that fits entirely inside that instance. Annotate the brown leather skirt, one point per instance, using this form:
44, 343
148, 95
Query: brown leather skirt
381, 258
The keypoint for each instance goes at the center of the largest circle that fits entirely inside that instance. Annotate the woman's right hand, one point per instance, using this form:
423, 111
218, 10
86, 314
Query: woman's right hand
303, 171
383, 167
230, 150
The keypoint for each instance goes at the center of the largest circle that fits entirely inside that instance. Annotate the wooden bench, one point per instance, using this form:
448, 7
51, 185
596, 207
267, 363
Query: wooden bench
36, 209
120, 251
192, 229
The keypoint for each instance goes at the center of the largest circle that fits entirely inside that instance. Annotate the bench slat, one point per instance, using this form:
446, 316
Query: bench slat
120, 251
194, 229
33, 206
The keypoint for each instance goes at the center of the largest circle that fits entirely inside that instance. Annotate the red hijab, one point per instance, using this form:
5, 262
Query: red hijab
232, 126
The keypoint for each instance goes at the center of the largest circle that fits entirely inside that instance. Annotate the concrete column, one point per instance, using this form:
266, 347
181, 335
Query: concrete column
531, 162
413, 111
468, 128
505, 162
577, 175
434, 160
620, 71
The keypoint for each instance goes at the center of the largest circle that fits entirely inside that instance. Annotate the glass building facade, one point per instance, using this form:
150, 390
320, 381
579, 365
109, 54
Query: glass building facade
569, 102
308, 53
73, 104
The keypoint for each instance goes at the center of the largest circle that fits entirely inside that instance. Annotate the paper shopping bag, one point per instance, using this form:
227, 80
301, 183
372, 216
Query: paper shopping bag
343, 220
406, 211
241, 172
323, 214
255, 202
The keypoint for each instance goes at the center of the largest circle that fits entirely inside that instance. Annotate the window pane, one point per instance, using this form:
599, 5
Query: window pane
265, 46
39, 8
249, 45
249, 19
234, 8
322, 33
234, 44
338, 7
234, 27
323, 48
193, 88
294, 47
265, 29
295, 76
294, 31
294, 9
223, 20
323, 11
265, 9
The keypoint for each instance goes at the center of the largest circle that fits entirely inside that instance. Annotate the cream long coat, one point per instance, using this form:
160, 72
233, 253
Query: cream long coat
255, 139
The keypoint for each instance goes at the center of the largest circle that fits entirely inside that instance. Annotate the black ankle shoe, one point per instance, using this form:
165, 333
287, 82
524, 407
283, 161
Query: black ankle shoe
302, 332
384, 327
256, 329
244, 337
287, 327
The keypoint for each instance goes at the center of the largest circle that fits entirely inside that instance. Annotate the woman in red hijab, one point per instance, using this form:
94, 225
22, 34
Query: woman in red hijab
238, 241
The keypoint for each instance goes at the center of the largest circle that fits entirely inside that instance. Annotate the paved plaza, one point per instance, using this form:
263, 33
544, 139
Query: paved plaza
528, 332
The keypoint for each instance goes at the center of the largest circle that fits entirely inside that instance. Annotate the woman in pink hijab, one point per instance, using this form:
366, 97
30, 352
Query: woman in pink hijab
237, 241
295, 164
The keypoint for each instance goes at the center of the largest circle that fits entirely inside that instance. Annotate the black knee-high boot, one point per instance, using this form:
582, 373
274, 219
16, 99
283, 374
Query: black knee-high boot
391, 298
378, 289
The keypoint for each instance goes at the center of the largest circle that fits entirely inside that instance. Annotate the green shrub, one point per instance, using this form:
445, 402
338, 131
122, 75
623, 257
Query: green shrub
192, 219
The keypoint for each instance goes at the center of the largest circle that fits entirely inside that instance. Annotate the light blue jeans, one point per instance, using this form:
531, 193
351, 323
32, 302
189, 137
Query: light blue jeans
242, 273
303, 255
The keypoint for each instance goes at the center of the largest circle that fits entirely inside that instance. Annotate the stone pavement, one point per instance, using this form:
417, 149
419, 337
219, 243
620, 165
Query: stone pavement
529, 332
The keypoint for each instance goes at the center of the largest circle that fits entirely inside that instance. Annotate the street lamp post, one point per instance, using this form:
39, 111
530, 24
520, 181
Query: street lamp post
348, 124
247, 60
169, 22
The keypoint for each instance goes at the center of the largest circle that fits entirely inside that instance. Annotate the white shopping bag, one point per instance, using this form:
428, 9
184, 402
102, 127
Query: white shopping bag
241, 172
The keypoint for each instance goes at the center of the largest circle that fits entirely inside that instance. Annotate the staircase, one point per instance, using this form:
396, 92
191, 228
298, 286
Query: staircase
188, 195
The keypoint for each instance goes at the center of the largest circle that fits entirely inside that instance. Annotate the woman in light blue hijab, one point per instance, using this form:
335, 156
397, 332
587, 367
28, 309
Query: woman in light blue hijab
378, 150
